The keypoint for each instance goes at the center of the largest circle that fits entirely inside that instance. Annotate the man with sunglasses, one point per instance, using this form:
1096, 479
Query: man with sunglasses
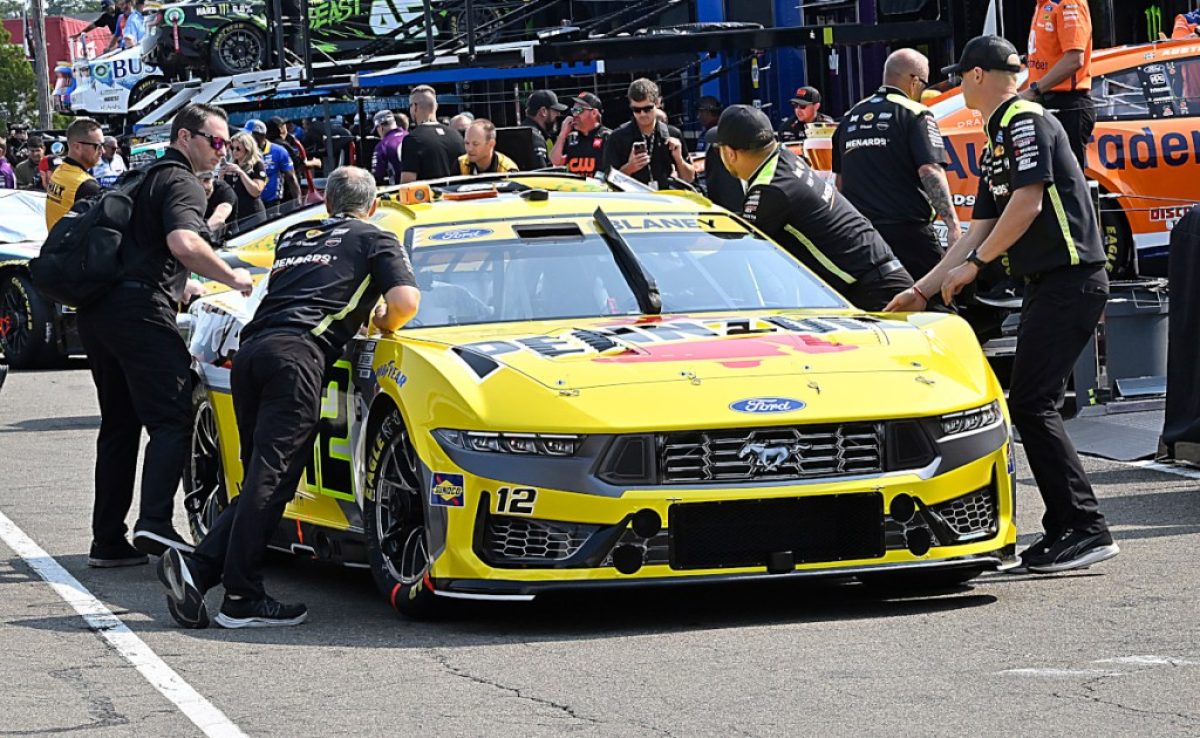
581, 139
1033, 204
644, 148
806, 110
888, 155
71, 180
140, 363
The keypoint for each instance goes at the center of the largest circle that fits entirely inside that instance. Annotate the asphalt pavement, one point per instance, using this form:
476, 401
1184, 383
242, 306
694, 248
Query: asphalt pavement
1114, 650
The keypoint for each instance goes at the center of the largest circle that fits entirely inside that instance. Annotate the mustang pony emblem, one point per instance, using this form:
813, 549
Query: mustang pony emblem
770, 458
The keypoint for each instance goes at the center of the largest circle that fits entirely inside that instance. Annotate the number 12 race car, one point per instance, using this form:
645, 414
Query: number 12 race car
605, 389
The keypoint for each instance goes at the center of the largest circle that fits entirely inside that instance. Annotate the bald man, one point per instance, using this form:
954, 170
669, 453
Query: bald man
889, 158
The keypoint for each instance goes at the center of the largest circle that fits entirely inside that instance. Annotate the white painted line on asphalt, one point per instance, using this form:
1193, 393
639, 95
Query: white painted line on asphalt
1178, 470
133, 649
1147, 661
1061, 672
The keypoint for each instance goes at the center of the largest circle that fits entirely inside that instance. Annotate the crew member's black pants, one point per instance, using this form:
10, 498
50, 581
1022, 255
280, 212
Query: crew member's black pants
276, 381
875, 289
1077, 113
1060, 311
141, 368
916, 245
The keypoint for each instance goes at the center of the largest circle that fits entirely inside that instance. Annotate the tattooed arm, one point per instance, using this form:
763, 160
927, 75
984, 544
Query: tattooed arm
933, 179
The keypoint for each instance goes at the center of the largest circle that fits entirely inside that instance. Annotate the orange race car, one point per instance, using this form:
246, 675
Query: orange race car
1144, 153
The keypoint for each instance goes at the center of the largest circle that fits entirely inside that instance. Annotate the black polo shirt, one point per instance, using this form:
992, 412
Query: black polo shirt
1026, 146
791, 129
222, 194
169, 199
878, 149
431, 151
327, 278
584, 152
805, 214
541, 143
662, 162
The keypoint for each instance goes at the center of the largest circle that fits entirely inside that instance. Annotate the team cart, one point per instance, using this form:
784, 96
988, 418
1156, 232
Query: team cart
609, 387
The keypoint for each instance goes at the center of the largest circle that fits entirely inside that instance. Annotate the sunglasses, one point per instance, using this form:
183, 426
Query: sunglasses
642, 108
579, 109
97, 146
216, 142
924, 82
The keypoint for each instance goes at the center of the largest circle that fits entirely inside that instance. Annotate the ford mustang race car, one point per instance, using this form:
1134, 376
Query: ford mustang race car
619, 388
111, 83
35, 332
1144, 154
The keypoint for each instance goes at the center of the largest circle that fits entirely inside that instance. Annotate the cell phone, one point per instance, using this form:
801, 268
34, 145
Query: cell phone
639, 147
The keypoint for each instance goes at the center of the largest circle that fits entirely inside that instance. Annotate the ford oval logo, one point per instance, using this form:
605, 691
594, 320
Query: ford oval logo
764, 405
461, 234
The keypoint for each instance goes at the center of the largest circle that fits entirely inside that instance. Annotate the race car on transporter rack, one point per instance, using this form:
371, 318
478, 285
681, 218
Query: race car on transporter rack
619, 388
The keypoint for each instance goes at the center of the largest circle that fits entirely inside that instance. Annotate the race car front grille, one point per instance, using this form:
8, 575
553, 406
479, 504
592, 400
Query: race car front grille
971, 514
710, 535
524, 540
789, 452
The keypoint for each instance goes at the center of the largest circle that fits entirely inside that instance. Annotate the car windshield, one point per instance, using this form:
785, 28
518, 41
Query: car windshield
571, 276
22, 217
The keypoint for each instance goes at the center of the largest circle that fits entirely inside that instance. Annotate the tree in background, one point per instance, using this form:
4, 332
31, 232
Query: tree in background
18, 94
77, 8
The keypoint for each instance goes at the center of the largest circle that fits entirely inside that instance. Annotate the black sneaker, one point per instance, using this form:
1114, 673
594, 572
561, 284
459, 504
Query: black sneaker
112, 555
1034, 554
184, 598
262, 613
1075, 549
155, 538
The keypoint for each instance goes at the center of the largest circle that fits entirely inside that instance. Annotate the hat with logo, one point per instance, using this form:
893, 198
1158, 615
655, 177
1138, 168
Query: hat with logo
989, 53
744, 127
256, 126
544, 99
806, 96
588, 100
383, 117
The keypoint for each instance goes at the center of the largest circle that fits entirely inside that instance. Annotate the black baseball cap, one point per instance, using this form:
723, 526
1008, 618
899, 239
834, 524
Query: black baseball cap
588, 100
708, 102
989, 53
806, 96
544, 99
744, 127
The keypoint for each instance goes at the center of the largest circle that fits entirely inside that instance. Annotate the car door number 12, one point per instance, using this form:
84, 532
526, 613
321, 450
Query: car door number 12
515, 500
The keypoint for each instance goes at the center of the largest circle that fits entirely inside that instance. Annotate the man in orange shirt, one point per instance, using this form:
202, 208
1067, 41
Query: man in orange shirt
1186, 25
1060, 68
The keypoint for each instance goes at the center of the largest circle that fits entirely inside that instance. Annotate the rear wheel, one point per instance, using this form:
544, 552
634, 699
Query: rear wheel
919, 581
237, 48
1118, 243
204, 493
394, 518
28, 328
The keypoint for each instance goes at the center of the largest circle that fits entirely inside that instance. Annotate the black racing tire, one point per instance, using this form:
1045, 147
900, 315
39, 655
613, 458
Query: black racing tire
237, 48
143, 88
29, 329
1118, 243
394, 518
204, 491
483, 15
919, 581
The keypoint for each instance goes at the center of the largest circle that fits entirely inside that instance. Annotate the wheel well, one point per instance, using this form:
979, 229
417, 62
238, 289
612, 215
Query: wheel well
381, 406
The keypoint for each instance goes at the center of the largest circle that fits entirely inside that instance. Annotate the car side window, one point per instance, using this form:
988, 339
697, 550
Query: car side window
1160, 89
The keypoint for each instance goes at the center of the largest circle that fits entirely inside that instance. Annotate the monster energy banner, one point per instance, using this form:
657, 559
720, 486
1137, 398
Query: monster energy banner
1154, 22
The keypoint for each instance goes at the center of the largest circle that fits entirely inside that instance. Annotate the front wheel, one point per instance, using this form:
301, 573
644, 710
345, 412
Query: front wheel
394, 518
236, 49
28, 327
204, 493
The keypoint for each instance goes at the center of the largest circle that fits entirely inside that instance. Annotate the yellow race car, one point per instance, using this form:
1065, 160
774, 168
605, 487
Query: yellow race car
611, 387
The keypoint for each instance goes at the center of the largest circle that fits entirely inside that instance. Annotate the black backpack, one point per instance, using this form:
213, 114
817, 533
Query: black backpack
81, 259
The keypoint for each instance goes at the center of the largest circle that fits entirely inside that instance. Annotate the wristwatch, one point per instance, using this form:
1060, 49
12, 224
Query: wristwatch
973, 257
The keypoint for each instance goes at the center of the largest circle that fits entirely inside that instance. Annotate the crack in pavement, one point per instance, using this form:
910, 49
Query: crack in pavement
99, 706
1092, 685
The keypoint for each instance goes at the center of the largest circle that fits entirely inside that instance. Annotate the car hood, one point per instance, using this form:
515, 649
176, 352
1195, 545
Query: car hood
19, 252
601, 352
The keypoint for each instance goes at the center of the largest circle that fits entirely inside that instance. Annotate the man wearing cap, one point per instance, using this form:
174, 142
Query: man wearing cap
387, 152
541, 110
278, 163
581, 138
481, 156
708, 112
720, 185
806, 109
805, 214
644, 147
1060, 68
888, 155
1033, 205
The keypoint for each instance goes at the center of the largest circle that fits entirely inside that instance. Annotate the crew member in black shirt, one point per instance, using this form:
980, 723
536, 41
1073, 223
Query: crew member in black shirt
541, 111
325, 283
1033, 204
221, 207
806, 109
581, 138
888, 156
721, 187
644, 148
804, 213
430, 150
139, 362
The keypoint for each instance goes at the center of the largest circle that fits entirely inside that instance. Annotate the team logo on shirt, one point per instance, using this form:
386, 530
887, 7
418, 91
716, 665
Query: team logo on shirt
869, 117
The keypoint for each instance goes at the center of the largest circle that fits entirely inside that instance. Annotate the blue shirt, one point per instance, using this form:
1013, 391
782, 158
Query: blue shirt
135, 27
276, 160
